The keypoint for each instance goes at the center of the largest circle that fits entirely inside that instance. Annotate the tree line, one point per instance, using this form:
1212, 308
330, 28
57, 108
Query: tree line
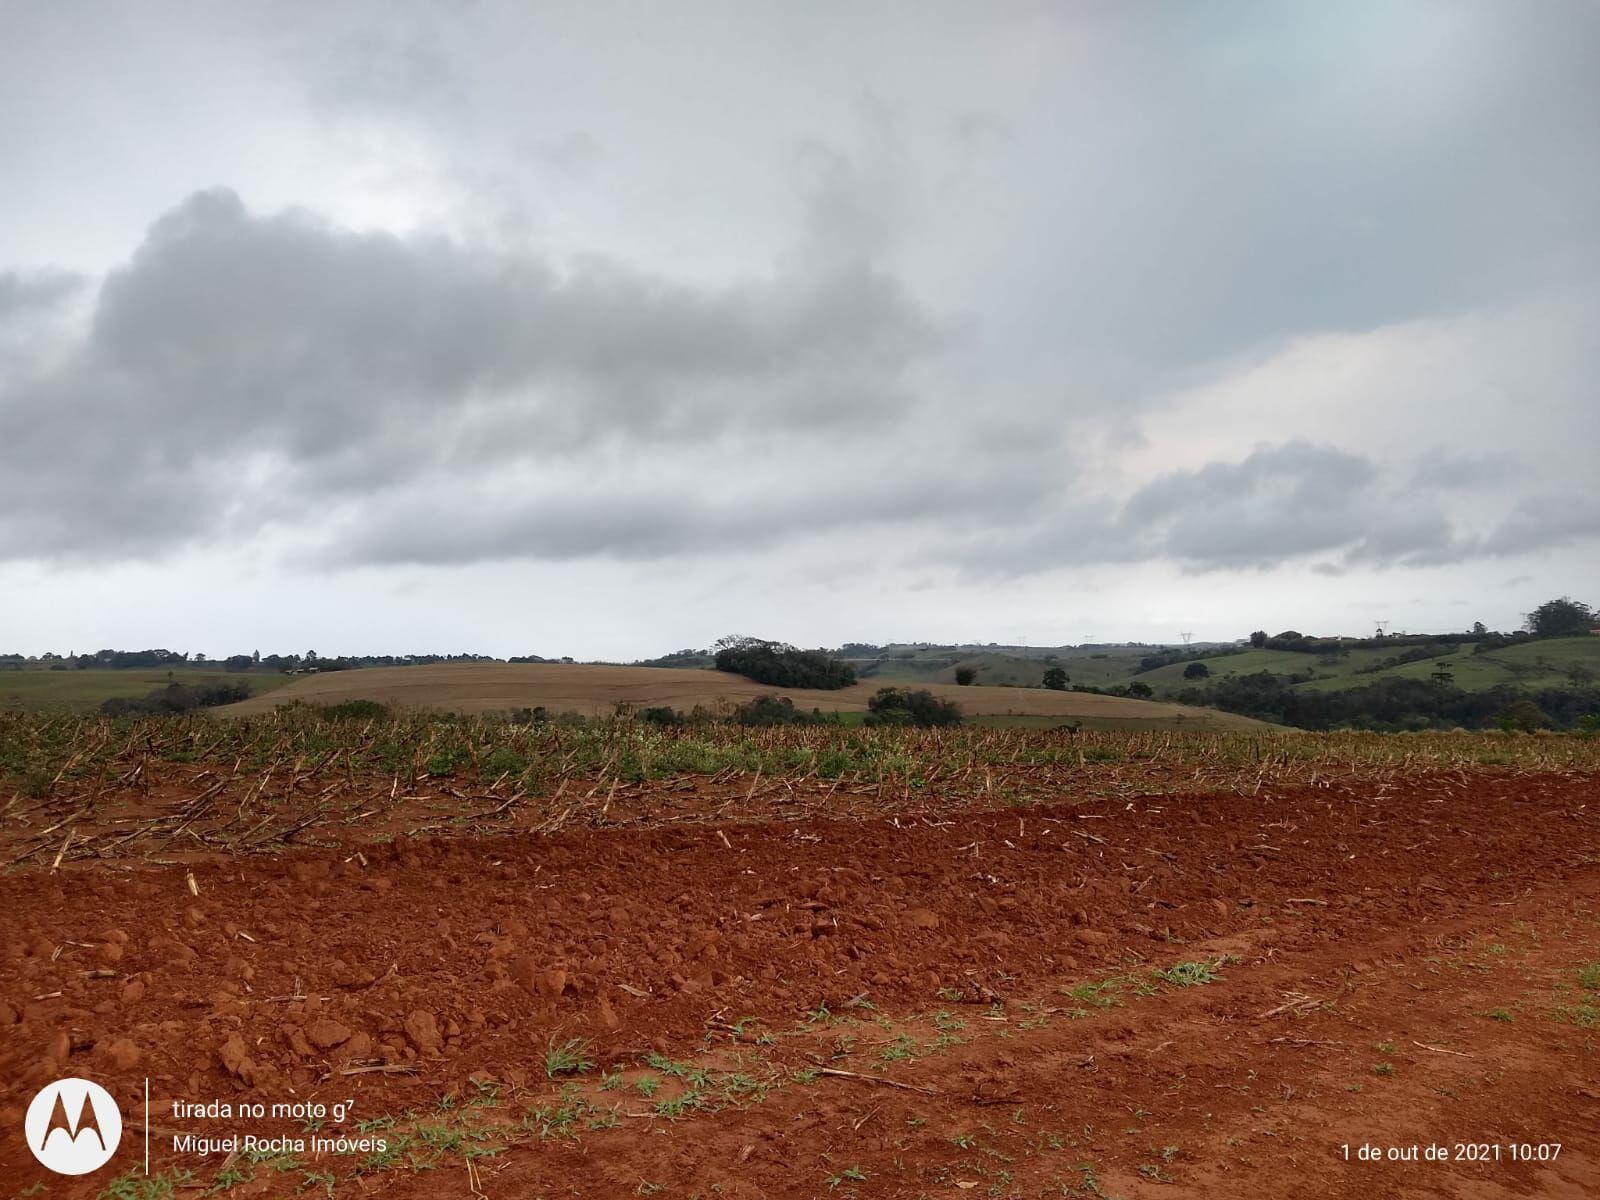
1398, 704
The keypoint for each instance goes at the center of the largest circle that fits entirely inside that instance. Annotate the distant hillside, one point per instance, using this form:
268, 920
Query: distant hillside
593, 690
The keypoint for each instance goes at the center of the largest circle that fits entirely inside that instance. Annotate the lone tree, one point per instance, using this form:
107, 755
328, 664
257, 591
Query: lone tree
965, 675
1197, 670
1560, 618
1258, 639
1056, 679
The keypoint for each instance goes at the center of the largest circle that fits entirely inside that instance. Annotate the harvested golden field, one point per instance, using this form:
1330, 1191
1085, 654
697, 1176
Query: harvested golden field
560, 687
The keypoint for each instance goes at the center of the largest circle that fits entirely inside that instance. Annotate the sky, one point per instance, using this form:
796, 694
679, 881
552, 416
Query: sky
608, 329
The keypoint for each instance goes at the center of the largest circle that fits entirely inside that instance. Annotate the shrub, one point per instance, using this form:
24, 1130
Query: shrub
905, 706
1140, 691
1056, 679
177, 698
660, 714
781, 665
774, 710
1521, 714
1197, 670
356, 710
965, 675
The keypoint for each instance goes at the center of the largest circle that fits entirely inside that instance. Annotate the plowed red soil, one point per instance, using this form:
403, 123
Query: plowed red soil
978, 1002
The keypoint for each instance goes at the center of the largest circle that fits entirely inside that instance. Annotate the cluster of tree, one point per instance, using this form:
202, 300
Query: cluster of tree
763, 711
1137, 690
1391, 704
126, 660
1296, 642
1565, 617
1176, 654
889, 706
129, 660
685, 659
312, 661
177, 698
1410, 655
911, 706
779, 664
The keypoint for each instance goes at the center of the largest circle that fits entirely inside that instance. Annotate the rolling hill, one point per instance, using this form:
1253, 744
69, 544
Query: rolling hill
593, 690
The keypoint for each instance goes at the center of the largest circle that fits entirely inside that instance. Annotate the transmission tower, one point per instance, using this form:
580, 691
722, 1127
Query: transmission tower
1187, 635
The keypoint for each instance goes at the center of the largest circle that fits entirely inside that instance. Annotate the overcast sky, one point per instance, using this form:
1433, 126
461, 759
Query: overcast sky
605, 329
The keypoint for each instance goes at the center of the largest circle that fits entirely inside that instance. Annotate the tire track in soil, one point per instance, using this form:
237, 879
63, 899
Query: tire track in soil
455, 958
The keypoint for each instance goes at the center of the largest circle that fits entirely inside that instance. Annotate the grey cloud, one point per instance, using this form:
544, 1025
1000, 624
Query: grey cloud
1543, 522
650, 523
1277, 505
233, 342
853, 198
1468, 471
1244, 175
25, 293
1127, 199
215, 291
402, 64
574, 154
1408, 533
33, 305
975, 129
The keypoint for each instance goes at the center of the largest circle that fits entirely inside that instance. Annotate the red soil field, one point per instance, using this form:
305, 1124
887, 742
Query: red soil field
1224, 993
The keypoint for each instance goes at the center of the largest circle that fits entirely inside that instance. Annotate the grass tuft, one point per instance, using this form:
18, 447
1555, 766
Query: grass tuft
570, 1057
1188, 974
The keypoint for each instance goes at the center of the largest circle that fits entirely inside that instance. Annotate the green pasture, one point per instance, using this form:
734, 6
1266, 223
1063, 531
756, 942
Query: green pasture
44, 690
